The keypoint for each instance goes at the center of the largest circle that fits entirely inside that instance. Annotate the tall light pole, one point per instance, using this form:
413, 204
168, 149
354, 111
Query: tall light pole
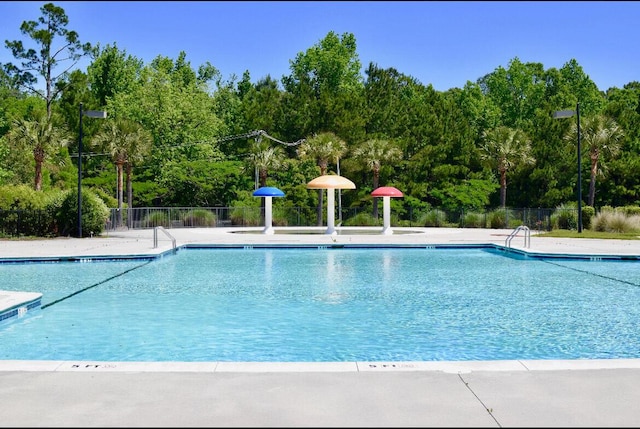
568, 114
339, 195
90, 114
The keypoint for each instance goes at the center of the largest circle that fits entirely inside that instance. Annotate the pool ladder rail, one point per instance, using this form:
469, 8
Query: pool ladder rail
155, 237
527, 236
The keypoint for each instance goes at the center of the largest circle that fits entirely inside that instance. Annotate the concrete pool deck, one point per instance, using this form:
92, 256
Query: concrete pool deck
568, 393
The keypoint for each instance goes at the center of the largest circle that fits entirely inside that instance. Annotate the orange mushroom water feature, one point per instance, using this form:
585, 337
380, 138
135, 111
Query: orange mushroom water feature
331, 182
386, 192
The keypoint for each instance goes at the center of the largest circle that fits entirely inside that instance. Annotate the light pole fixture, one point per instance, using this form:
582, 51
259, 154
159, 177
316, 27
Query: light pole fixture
90, 114
567, 114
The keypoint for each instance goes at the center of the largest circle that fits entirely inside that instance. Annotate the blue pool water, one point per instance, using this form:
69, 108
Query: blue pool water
318, 305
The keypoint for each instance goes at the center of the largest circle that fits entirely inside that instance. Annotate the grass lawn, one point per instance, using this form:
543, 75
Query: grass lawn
565, 233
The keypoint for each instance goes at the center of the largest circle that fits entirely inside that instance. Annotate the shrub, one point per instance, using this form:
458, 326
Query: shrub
20, 197
615, 221
565, 216
514, 223
587, 215
279, 216
156, 218
26, 211
599, 221
252, 216
112, 202
473, 220
631, 210
94, 213
434, 217
109, 200
498, 219
362, 219
245, 211
245, 216
199, 217
53, 208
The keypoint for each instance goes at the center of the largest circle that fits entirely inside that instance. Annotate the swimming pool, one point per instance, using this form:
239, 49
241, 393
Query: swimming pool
326, 304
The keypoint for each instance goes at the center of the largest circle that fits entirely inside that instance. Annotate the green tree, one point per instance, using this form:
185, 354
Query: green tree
112, 71
76, 90
517, 91
330, 65
202, 183
43, 60
577, 86
126, 142
228, 109
398, 107
325, 86
602, 138
551, 181
373, 153
112, 138
622, 187
262, 110
139, 144
479, 111
15, 163
41, 137
261, 105
173, 104
264, 157
322, 148
504, 149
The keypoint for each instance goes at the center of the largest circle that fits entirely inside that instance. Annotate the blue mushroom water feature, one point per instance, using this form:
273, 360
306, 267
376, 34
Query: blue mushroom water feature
267, 192
386, 192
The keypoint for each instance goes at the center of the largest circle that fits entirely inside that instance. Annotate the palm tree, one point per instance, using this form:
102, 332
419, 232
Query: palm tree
139, 144
126, 142
373, 153
41, 137
505, 148
264, 157
322, 148
602, 136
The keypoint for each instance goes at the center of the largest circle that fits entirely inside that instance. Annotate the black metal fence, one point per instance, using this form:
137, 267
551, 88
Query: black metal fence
36, 223
39, 223
192, 217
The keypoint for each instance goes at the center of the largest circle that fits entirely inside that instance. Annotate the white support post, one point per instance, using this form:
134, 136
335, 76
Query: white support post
331, 202
386, 214
268, 222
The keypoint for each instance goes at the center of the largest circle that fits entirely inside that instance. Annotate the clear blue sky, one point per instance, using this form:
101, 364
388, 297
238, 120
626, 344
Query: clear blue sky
444, 44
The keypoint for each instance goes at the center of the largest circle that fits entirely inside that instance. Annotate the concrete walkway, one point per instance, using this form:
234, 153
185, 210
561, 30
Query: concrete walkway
580, 393
141, 242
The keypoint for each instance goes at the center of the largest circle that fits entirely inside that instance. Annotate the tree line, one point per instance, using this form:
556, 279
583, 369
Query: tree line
183, 136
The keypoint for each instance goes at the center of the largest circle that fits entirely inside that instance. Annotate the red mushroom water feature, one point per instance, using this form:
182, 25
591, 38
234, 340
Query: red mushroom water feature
386, 192
330, 183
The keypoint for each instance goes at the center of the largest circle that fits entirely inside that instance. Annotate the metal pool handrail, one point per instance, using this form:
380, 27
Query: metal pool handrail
527, 236
155, 237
